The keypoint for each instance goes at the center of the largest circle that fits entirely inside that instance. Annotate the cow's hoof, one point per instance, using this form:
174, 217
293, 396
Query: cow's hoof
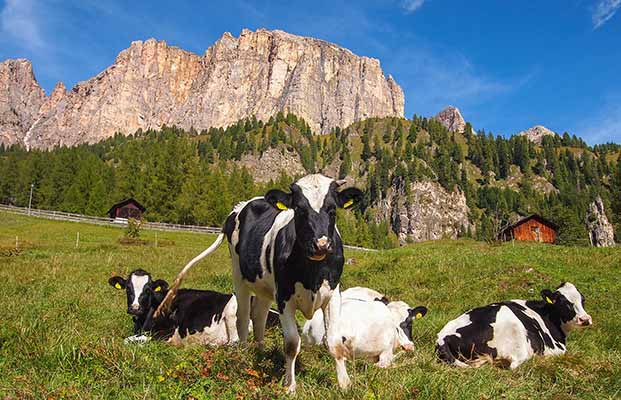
291, 388
345, 383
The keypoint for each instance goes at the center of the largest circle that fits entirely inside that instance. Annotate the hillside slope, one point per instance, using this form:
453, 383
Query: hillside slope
63, 329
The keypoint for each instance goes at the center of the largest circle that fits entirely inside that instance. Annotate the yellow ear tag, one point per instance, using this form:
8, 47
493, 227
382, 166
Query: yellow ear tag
419, 315
348, 203
118, 285
549, 300
281, 206
158, 289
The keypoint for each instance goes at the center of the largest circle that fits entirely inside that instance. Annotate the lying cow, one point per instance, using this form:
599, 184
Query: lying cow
314, 331
369, 327
196, 316
511, 332
285, 248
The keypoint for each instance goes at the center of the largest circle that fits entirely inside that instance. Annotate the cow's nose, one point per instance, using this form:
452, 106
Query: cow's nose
134, 308
585, 320
323, 244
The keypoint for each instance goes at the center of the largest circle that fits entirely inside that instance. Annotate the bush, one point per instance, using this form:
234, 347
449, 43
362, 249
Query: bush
133, 228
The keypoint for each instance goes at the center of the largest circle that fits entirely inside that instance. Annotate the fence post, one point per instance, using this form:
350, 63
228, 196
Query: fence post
77, 240
16, 242
155, 238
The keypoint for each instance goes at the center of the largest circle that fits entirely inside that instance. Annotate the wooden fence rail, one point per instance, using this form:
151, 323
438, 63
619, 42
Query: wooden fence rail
120, 223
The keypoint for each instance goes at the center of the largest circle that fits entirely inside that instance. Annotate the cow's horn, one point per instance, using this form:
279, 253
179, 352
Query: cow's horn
341, 182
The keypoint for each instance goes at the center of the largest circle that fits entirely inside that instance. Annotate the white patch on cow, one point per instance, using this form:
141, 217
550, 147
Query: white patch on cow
315, 188
138, 283
399, 310
510, 338
548, 351
138, 339
361, 293
451, 328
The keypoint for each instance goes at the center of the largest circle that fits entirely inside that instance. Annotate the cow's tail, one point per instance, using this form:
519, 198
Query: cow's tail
172, 291
445, 354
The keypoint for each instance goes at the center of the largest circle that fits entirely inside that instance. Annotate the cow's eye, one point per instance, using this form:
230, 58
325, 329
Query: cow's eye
332, 212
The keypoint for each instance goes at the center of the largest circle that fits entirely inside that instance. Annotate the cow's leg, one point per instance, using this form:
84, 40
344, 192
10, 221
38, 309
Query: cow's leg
292, 344
230, 321
334, 340
243, 298
385, 359
260, 309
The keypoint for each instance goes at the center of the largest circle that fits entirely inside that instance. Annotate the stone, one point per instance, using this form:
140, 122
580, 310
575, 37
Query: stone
429, 212
536, 133
601, 232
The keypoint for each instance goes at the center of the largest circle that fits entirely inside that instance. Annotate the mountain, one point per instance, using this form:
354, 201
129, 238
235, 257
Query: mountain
20, 100
536, 133
451, 119
152, 84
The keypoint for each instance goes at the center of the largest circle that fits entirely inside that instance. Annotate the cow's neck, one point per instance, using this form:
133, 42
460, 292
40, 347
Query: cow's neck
550, 318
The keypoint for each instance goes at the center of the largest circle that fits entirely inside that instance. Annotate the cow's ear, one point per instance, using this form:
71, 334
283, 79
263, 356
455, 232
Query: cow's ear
160, 285
418, 312
279, 199
548, 296
117, 282
348, 198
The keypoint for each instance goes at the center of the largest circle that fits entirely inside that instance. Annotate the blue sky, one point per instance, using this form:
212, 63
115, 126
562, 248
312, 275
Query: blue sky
507, 65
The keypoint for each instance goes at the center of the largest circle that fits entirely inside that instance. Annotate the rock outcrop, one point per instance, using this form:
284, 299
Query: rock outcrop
151, 84
536, 133
272, 163
20, 100
451, 119
601, 232
429, 212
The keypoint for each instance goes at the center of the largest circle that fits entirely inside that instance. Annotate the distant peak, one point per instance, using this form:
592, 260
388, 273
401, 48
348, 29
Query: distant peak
536, 133
450, 117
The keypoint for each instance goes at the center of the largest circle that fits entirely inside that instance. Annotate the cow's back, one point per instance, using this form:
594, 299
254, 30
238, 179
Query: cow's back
246, 228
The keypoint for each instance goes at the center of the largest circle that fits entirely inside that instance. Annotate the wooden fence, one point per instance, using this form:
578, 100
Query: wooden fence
120, 223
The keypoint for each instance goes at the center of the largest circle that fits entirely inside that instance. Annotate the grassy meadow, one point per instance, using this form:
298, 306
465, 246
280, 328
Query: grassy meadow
62, 330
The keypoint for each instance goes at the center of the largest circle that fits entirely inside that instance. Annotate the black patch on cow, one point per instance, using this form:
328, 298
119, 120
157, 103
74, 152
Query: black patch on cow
255, 220
291, 265
552, 319
229, 226
474, 336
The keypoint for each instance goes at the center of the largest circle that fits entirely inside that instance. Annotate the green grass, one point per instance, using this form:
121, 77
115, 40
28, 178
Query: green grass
62, 330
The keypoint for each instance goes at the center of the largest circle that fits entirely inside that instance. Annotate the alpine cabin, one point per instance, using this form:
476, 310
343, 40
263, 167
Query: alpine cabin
533, 228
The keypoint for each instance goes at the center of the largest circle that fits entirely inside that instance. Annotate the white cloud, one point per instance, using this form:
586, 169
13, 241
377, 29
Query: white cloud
604, 10
413, 5
18, 20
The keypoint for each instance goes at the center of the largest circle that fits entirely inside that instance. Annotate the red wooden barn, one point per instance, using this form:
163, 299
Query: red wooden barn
533, 228
128, 208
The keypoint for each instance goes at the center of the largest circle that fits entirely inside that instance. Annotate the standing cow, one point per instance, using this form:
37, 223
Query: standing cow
511, 332
285, 247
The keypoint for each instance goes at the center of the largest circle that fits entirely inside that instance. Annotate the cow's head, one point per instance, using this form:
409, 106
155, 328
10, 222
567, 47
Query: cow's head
314, 200
567, 304
142, 292
403, 315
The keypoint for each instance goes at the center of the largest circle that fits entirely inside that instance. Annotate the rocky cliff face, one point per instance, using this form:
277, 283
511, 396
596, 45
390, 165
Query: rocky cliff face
20, 100
259, 73
428, 213
452, 119
536, 133
600, 229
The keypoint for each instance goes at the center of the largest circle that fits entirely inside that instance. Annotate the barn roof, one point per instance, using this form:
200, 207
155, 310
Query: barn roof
528, 218
125, 202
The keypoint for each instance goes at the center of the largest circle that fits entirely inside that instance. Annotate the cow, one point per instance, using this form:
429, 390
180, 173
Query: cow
314, 331
285, 248
510, 332
370, 328
196, 316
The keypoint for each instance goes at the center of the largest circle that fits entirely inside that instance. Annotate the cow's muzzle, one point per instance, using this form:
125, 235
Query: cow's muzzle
134, 309
322, 247
585, 320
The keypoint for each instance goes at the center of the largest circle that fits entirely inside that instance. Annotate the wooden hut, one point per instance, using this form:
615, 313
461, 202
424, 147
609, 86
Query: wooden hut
533, 228
128, 208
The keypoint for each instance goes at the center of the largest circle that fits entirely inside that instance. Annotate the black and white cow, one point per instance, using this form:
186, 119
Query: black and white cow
285, 247
196, 316
511, 332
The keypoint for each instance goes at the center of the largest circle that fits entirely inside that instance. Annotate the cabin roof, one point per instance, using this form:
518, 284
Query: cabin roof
526, 219
125, 202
